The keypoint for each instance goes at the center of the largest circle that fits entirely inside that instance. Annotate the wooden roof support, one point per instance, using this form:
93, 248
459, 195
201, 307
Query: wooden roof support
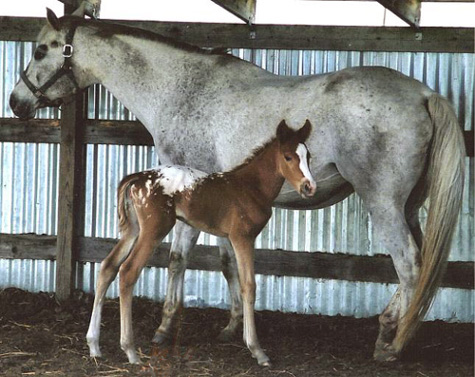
244, 9
408, 10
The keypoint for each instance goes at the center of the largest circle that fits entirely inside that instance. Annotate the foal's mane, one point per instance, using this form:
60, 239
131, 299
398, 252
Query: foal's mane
108, 29
255, 153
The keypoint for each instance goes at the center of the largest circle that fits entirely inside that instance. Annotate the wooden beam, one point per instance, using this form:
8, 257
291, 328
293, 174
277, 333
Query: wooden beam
71, 190
121, 132
243, 9
295, 37
316, 265
407, 10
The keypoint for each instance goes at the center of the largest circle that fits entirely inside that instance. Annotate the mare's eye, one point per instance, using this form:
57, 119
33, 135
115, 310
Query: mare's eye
40, 52
54, 44
287, 158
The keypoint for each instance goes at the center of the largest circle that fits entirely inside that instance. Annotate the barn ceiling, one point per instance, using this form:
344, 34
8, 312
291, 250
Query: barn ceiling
408, 10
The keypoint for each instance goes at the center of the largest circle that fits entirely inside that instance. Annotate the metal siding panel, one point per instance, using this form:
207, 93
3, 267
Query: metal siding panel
345, 227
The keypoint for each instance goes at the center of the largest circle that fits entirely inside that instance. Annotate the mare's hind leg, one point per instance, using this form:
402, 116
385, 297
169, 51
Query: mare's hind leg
395, 234
230, 272
184, 240
108, 272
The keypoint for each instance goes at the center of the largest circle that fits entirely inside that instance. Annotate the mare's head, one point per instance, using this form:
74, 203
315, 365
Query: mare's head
49, 76
294, 158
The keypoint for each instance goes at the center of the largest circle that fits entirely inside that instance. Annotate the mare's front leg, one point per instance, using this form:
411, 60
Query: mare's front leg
244, 251
184, 240
230, 272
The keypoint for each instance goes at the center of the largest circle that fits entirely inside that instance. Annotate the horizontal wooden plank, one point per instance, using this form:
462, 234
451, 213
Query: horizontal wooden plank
315, 265
300, 37
27, 246
117, 132
103, 132
97, 131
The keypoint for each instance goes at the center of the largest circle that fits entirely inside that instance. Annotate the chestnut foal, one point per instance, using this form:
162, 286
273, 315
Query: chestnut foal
235, 204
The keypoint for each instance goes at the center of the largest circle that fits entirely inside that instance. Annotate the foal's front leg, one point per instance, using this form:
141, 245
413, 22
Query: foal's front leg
244, 250
230, 272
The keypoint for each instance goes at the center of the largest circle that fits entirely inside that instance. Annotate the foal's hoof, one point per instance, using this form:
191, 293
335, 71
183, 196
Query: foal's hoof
263, 360
266, 364
385, 353
161, 339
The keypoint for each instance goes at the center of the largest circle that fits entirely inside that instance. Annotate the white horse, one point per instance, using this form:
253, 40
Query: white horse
378, 133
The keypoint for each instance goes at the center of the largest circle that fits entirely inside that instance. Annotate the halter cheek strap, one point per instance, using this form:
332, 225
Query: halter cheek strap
66, 69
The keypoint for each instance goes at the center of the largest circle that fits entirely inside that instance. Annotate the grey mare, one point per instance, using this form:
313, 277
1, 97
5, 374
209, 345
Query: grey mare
378, 133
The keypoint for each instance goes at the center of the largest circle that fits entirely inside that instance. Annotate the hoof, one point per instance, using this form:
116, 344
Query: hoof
265, 364
386, 354
161, 339
226, 336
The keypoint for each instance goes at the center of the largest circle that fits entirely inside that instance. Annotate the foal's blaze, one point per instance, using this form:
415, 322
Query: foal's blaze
235, 204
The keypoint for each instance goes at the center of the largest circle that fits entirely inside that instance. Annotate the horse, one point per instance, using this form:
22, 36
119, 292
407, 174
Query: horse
378, 133
150, 202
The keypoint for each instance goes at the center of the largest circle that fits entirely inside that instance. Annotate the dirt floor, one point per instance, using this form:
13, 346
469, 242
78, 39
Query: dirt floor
39, 337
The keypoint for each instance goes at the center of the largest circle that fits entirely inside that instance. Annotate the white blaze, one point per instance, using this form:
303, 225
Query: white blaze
302, 152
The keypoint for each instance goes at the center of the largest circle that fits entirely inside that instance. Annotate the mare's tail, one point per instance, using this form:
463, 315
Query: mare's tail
445, 185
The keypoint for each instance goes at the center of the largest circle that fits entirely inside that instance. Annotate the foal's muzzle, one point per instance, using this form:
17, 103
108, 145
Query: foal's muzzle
307, 188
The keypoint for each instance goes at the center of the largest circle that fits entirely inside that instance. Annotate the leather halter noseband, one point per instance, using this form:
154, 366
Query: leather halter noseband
66, 69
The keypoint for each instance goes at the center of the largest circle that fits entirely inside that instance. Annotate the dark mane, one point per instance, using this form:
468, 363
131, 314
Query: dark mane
108, 29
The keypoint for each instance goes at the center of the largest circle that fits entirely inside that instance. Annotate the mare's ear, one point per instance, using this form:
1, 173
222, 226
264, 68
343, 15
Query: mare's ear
304, 132
283, 131
52, 19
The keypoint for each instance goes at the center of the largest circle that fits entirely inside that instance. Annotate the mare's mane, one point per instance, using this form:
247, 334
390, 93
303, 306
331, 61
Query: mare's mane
107, 29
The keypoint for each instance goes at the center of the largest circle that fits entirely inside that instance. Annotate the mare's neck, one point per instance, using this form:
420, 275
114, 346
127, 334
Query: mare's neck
261, 171
142, 74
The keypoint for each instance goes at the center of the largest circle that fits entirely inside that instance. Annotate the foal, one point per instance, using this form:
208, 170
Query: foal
235, 204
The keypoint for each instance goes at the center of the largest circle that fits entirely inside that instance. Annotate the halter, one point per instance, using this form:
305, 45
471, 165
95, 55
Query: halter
66, 69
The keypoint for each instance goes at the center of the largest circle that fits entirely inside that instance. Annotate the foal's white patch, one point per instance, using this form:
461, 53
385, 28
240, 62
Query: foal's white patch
174, 178
302, 152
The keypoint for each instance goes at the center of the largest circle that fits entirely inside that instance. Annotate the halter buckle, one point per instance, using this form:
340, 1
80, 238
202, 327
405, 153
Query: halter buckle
68, 50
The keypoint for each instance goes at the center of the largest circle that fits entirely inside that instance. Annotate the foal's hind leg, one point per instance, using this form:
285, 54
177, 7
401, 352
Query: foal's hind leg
108, 272
129, 272
230, 272
184, 240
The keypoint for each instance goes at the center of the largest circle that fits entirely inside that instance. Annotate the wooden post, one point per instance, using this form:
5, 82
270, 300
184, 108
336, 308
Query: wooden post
71, 189
71, 194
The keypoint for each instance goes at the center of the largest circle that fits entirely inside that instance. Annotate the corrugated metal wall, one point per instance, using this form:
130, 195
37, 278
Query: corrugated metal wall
28, 193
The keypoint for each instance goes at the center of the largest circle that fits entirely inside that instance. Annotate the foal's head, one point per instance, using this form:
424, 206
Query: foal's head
294, 158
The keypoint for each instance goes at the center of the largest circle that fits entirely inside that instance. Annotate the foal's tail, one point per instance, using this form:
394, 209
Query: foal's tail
122, 203
445, 186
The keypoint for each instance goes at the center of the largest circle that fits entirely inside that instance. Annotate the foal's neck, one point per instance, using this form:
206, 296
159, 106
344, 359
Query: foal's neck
261, 171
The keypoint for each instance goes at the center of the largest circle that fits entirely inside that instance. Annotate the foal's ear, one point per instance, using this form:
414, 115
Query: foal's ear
304, 132
52, 19
283, 131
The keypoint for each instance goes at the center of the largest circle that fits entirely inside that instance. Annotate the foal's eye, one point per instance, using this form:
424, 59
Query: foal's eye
288, 158
54, 44
40, 52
